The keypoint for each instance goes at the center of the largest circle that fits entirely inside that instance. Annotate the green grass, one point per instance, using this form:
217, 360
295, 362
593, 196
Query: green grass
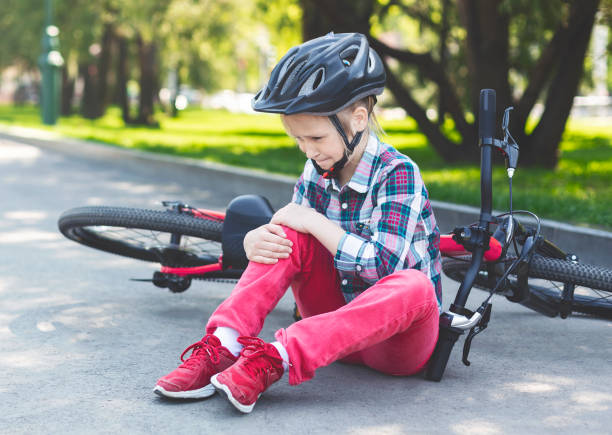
579, 191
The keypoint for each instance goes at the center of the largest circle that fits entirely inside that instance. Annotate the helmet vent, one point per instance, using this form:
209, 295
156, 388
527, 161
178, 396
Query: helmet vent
348, 55
371, 62
290, 81
313, 82
286, 65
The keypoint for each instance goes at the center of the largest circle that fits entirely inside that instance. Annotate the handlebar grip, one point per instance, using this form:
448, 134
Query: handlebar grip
486, 116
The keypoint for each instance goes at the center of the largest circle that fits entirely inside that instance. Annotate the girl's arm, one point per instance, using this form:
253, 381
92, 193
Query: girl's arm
309, 221
301, 217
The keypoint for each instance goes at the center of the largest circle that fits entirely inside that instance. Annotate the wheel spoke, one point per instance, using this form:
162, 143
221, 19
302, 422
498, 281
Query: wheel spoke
584, 296
150, 239
607, 298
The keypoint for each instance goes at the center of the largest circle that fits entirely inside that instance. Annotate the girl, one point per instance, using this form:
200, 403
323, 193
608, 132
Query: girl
358, 244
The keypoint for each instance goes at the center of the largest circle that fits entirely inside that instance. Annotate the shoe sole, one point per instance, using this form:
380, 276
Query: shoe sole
225, 389
201, 393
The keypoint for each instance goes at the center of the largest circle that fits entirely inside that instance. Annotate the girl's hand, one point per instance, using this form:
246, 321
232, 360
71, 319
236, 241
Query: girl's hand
266, 244
295, 216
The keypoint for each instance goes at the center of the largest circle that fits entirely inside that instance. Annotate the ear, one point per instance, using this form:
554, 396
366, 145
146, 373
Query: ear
359, 118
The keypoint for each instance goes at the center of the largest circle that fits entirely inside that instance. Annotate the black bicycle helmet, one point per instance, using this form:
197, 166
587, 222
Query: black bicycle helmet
321, 77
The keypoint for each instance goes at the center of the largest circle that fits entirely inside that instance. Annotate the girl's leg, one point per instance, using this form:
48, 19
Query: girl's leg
405, 353
310, 272
391, 327
255, 295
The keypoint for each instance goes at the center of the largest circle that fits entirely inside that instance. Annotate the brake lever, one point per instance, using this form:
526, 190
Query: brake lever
481, 326
508, 145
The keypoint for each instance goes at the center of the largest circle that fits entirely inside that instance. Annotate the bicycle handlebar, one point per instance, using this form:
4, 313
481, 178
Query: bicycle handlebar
486, 132
486, 117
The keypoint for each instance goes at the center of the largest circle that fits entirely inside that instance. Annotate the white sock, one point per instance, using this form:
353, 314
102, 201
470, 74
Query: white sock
229, 338
283, 352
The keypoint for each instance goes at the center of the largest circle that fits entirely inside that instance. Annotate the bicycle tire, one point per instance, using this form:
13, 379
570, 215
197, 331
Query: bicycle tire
593, 294
119, 230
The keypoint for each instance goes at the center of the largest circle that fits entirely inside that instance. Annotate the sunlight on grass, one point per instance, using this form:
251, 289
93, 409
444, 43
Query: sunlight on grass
578, 191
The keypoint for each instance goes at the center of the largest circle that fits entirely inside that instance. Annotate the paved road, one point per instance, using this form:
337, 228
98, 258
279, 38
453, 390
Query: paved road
81, 346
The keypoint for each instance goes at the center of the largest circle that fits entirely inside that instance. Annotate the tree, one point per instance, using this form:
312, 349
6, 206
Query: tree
527, 50
208, 44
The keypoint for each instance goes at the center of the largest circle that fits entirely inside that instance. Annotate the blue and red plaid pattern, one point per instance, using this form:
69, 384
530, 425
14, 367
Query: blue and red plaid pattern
387, 216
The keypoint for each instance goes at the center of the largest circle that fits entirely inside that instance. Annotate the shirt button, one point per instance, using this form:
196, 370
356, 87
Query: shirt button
344, 206
358, 267
344, 281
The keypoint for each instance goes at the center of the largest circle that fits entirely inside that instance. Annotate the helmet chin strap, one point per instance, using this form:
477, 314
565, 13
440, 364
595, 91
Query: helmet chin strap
334, 171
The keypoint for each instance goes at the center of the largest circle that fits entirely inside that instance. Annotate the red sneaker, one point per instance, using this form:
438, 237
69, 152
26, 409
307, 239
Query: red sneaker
191, 380
258, 367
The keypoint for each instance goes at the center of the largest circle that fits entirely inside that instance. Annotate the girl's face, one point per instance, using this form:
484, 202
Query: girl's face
316, 137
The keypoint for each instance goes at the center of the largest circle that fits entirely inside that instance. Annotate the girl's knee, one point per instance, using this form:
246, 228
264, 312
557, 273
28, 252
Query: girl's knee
302, 240
415, 282
296, 236
412, 276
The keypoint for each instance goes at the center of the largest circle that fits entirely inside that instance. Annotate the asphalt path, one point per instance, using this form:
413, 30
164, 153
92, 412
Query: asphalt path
81, 346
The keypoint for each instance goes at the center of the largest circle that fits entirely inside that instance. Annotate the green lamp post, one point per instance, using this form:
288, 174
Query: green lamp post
50, 63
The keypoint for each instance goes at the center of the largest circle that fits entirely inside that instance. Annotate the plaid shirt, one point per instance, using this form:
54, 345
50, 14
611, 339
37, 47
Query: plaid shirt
386, 214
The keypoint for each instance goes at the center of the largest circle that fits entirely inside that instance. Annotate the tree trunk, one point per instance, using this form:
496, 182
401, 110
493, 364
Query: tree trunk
443, 55
320, 17
104, 68
122, 79
541, 147
487, 50
89, 99
67, 93
148, 81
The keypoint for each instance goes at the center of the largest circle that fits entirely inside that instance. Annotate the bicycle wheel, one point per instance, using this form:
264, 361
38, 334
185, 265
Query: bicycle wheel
546, 279
166, 237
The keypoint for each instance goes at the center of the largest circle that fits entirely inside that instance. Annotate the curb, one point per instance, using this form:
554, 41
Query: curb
592, 245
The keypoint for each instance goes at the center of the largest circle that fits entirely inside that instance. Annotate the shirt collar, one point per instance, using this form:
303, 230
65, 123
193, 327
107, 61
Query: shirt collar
360, 180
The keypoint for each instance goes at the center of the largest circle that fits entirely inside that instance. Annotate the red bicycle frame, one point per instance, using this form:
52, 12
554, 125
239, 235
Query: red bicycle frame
448, 247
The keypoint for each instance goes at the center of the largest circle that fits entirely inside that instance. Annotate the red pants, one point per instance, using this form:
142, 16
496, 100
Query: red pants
392, 327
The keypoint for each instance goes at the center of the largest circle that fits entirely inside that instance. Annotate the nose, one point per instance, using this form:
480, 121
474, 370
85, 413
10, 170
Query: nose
311, 153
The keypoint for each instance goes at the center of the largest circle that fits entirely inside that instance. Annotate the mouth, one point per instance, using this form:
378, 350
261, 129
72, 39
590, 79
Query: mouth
324, 162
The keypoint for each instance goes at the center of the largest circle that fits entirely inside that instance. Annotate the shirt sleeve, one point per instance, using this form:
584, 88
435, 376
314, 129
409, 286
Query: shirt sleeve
393, 222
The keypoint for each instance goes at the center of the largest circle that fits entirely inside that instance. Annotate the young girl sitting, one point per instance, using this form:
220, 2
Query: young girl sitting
358, 244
